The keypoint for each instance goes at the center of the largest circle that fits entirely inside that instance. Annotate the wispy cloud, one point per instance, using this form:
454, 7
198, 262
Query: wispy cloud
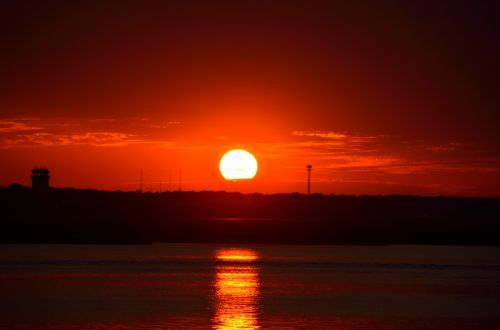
102, 120
98, 139
336, 153
321, 134
163, 125
98, 132
13, 126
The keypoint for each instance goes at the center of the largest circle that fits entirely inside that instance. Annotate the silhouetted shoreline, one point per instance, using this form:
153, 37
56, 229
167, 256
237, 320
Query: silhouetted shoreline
76, 216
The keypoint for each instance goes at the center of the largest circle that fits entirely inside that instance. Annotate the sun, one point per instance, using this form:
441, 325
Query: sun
238, 164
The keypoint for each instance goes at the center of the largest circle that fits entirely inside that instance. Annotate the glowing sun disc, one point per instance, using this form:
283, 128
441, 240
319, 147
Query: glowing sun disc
238, 164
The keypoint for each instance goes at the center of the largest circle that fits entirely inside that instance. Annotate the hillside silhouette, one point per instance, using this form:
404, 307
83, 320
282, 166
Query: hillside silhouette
91, 216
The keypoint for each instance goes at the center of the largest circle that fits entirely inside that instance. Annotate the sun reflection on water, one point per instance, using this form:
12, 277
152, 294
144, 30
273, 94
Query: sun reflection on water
236, 290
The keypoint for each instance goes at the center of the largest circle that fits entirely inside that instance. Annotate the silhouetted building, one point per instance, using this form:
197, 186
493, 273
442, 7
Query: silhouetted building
40, 179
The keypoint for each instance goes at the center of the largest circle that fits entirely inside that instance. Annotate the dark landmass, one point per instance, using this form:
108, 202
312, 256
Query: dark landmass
90, 216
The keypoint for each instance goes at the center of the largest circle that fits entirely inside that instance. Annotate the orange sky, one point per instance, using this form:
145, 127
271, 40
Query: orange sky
379, 98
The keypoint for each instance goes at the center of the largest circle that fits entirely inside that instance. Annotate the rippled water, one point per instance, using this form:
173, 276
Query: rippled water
175, 286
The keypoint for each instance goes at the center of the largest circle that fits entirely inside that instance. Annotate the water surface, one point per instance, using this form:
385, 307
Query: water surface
175, 286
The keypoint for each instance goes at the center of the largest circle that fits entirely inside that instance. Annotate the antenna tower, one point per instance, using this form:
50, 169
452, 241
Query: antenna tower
180, 180
309, 169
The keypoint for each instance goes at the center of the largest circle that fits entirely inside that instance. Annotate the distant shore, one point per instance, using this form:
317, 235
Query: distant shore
103, 217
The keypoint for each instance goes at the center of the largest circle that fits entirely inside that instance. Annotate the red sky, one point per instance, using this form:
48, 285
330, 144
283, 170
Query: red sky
380, 98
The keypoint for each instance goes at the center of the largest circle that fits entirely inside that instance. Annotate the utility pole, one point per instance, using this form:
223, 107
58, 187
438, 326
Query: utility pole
180, 180
141, 182
170, 180
161, 180
309, 169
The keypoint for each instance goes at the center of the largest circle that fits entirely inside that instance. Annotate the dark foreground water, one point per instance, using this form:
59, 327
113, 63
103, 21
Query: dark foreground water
175, 286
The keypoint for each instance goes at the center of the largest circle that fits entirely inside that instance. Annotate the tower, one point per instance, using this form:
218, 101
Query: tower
309, 169
140, 188
180, 180
40, 179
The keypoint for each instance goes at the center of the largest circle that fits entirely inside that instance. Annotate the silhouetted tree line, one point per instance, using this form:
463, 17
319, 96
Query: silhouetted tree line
90, 216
